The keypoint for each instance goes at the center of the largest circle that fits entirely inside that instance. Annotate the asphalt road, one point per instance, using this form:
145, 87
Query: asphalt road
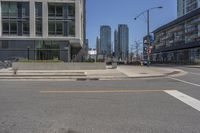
132, 106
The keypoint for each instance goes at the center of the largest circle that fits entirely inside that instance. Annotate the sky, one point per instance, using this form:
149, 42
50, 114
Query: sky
114, 12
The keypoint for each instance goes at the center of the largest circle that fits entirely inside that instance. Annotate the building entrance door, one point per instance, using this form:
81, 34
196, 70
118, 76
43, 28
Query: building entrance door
44, 54
48, 51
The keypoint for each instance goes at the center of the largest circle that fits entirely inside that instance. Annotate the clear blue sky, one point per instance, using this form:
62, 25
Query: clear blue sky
114, 12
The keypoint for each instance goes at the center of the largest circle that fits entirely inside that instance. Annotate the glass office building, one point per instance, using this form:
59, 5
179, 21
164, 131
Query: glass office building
105, 40
187, 6
179, 40
41, 29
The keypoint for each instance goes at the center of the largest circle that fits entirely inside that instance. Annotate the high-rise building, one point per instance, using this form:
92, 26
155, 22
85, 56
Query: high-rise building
116, 44
98, 48
41, 29
105, 40
123, 41
186, 6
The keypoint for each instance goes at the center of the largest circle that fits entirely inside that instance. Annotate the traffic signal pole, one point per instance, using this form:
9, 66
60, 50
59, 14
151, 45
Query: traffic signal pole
148, 37
148, 28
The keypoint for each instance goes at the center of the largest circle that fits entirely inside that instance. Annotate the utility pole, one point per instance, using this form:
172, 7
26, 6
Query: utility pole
137, 49
148, 28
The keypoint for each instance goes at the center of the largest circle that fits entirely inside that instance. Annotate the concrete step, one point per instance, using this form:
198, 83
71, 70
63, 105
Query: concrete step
43, 77
42, 73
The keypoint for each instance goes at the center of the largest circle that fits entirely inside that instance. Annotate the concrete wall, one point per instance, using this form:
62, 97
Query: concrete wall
59, 66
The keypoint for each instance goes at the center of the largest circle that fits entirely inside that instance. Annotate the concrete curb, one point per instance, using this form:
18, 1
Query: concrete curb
62, 78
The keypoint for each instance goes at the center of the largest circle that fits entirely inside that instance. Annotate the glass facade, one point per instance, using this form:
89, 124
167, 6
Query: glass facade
38, 18
47, 50
15, 18
61, 20
22, 32
178, 43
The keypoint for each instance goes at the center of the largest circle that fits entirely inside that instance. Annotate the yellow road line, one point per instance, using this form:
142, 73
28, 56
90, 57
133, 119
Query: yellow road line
106, 91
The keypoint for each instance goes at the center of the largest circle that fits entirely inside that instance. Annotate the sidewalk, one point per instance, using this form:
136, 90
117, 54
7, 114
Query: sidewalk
143, 72
121, 73
194, 66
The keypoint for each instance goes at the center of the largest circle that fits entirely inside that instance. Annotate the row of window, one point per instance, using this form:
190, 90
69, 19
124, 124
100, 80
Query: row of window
61, 10
15, 9
15, 19
22, 28
21, 9
61, 28
15, 28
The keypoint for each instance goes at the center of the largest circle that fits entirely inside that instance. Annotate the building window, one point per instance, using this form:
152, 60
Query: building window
14, 15
61, 19
38, 9
59, 28
52, 10
71, 10
51, 28
25, 10
39, 28
59, 11
5, 25
56, 28
5, 9
25, 28
38, 14
71, 27
13, 27
55, 10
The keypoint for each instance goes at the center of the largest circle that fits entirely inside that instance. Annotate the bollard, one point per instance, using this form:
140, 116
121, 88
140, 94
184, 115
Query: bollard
15, 71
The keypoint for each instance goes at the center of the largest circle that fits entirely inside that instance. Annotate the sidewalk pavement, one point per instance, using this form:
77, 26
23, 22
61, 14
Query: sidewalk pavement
122, 72
194, 66
143, 72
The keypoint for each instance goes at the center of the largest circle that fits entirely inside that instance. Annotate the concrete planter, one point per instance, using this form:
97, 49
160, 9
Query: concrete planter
58, 66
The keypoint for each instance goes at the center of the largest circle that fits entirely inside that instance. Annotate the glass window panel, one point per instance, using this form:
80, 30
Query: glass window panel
13, 9
71, 10
59, 28
51, 10
13, 27
59, 11
39, 27
51, 28
71, 27
25, 27
5, 25
5, 8
38, 9
25, 9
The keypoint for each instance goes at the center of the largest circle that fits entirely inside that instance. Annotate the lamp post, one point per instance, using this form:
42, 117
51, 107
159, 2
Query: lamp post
148, 27
28, 53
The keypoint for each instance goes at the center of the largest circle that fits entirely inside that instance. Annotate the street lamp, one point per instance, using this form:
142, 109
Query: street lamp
148, 25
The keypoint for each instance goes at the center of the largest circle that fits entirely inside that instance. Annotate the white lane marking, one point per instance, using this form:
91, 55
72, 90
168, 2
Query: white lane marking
198, 85
195, 73
185, 98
